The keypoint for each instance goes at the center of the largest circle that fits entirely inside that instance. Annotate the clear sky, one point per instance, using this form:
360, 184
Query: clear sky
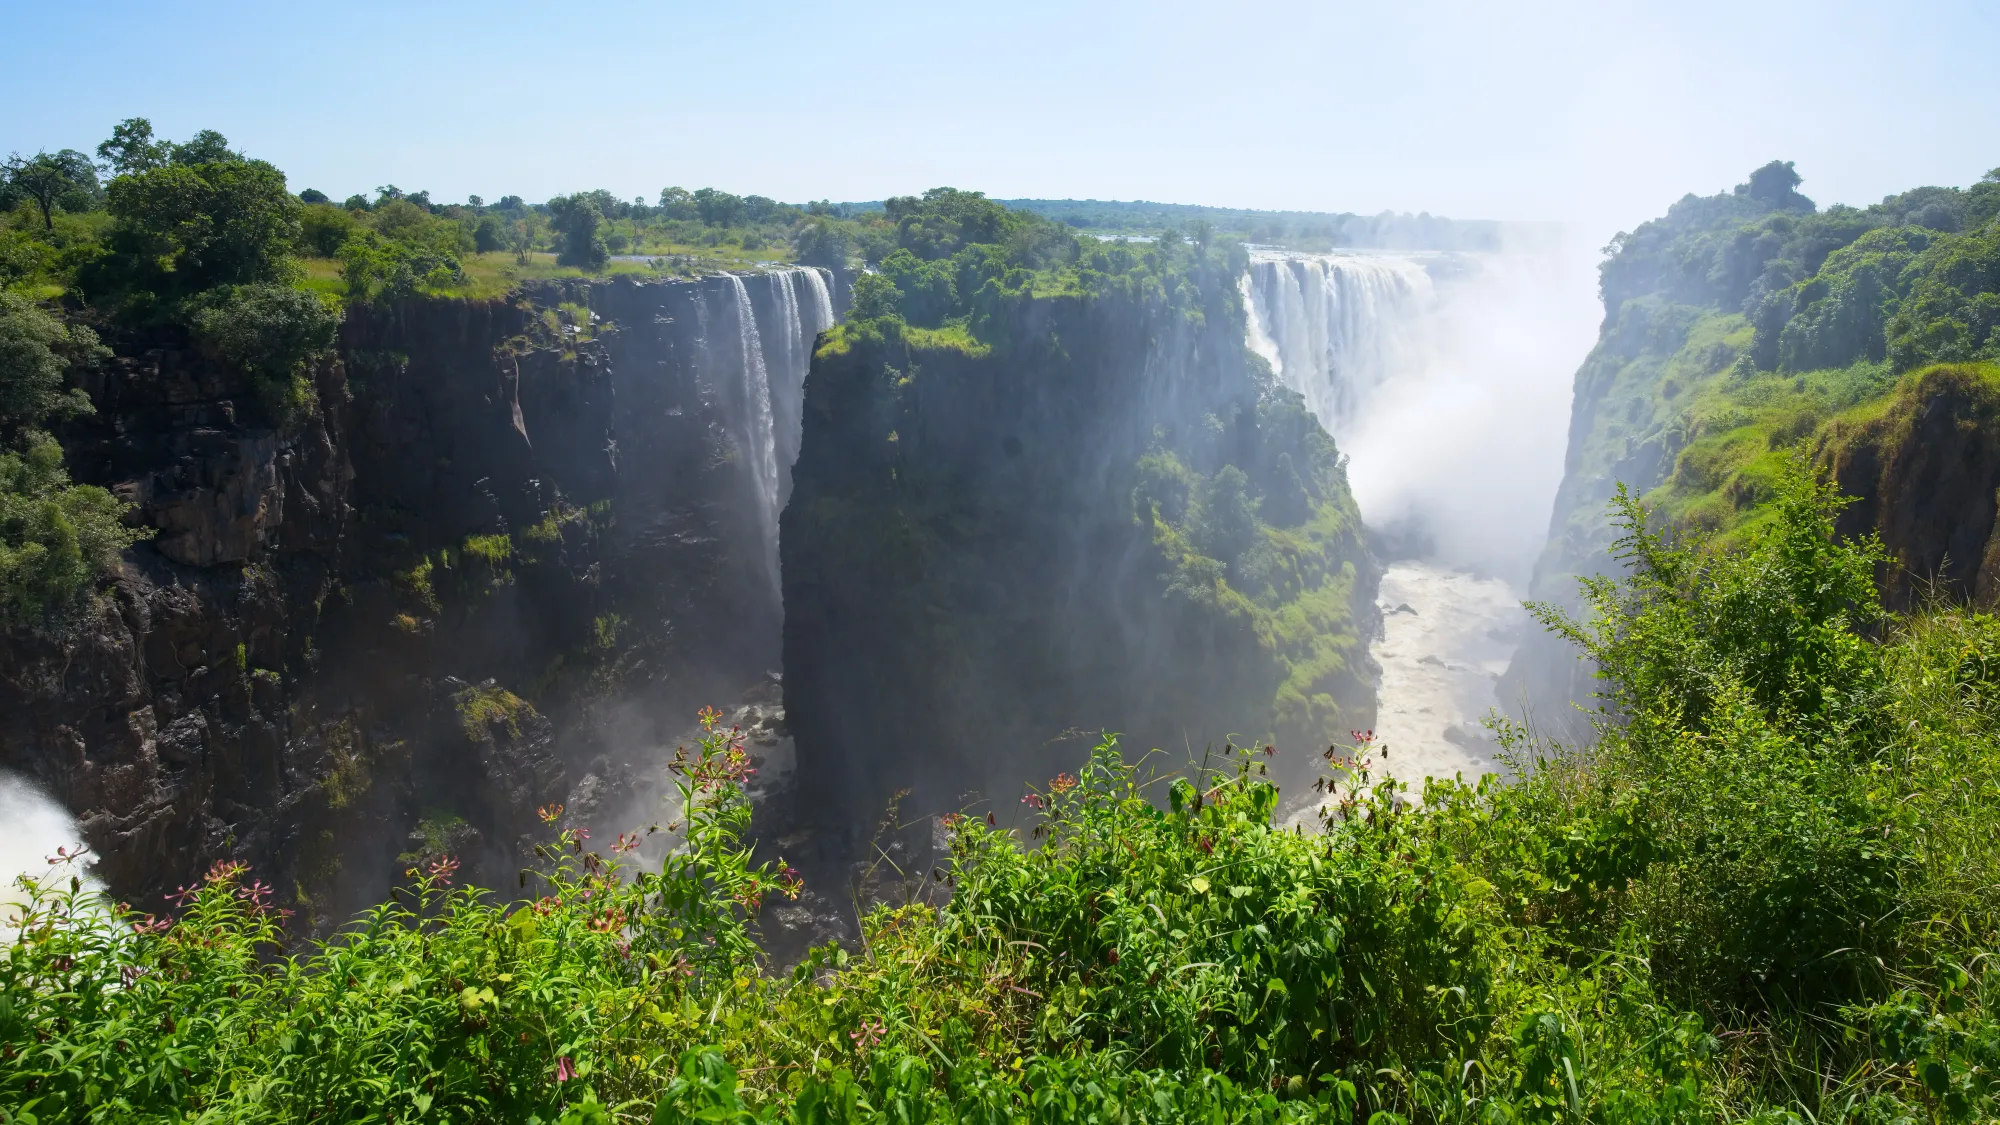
1598, 113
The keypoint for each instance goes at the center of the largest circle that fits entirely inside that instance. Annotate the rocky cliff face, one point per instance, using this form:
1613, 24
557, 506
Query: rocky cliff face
511, 542
1110, 517
1924, 469
1919, 456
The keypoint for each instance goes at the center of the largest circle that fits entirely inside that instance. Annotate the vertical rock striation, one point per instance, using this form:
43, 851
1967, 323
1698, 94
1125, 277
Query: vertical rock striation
1107, 516
510, 539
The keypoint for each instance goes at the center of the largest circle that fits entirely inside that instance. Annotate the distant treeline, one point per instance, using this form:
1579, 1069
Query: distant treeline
1305, 230
1296, 230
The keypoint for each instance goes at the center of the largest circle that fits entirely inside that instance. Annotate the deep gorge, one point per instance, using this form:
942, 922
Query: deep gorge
356, 562
569, 496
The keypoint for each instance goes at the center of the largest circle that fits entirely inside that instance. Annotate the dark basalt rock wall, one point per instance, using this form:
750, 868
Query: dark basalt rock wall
979, 578
1925, 475
501, 550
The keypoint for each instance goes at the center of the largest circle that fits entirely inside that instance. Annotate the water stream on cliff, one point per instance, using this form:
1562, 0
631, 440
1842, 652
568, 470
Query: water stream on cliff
1445, 379
1335, 328
763, 368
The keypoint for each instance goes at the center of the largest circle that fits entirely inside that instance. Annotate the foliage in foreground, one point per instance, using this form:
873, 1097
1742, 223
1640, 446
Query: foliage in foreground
1766, 893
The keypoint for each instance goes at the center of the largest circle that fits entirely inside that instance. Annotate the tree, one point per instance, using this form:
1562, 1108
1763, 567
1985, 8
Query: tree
272, 332
576, 220
133, 149
65, 181
521, 234
719, 208
946, 219
1226, 525
928, 292
874, 296
678, 203
35, 349
182, 229
1776, 185
821, 243
313, 195
486, 237
55, 537
324, 229
206, 147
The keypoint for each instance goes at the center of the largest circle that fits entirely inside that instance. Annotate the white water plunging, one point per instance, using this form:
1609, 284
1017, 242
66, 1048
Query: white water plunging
757, 426
804, 309
35, 828
763, 372
1445, 379
1337, 327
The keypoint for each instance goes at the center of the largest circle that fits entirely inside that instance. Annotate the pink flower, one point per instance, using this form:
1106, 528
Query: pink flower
565, 1070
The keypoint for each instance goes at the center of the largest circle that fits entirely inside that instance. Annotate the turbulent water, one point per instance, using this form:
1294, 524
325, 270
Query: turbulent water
762, 367
1445, 379
32, 827
1446, 637
1336, 328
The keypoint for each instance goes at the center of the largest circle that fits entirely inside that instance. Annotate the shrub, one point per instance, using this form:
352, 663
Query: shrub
56, 538
1767, 892
440, 1004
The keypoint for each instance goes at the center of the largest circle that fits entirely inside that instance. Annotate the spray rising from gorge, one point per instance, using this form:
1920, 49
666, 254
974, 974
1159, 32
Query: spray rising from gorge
1444, 377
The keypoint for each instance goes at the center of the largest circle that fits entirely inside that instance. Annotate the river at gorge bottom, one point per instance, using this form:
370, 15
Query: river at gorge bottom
1447, 635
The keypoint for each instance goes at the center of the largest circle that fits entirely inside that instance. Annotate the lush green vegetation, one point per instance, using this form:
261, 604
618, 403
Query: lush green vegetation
197, 246
1766, 892
952, 495
1300, 230
55, 536
1742, 323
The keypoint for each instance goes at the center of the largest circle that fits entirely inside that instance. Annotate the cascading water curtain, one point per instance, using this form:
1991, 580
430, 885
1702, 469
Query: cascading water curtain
1335, 328
767, 382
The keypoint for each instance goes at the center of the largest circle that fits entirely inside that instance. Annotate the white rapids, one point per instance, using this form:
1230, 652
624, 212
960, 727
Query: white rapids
32, 829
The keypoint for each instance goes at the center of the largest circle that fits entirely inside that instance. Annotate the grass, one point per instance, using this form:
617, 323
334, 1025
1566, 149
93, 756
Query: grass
483, 707
1742, 428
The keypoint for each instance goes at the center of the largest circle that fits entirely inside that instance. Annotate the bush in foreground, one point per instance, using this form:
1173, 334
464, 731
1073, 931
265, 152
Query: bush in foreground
1765, 892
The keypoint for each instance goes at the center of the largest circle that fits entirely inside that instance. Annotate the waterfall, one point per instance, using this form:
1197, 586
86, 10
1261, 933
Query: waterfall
757, 429
1445, 381
36, 828
1337, 327
817, 279
767, 378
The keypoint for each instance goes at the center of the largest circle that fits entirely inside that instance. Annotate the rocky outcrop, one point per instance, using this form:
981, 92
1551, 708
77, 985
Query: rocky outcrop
1923, 470
539, 497
1110, 517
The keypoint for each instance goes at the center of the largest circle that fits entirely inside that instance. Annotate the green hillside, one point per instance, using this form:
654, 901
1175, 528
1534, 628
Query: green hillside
1741, 324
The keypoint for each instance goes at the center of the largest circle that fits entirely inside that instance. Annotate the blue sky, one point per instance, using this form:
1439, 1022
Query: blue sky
1597, 113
